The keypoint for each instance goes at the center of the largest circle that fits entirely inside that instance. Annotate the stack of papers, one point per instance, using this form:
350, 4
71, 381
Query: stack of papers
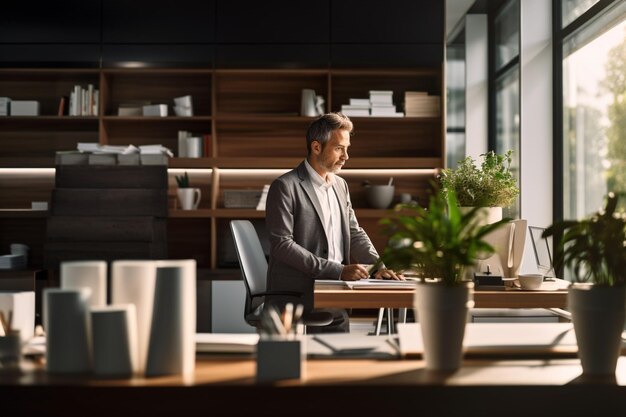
226, 342
155, 150
12, 262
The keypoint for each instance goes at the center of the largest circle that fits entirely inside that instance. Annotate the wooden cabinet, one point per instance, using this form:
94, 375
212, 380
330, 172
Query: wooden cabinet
253, 117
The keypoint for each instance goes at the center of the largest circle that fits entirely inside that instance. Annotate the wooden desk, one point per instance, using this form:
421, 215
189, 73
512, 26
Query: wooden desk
340, 297
360, 387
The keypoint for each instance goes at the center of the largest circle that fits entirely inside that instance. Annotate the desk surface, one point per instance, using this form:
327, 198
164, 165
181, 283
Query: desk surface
341, 297
357, 387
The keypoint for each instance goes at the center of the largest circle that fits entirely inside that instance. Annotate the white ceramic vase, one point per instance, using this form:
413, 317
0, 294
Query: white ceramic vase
443, 312
598, 315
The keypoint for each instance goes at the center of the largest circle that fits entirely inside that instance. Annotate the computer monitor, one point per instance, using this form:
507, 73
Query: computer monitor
541, 247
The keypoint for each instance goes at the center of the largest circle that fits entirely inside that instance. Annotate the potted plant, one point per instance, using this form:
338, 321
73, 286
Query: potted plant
492, 185
595, 250
188, 197
439, 242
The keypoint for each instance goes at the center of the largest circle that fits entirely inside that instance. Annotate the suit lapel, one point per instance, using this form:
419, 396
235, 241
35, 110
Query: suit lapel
307, 185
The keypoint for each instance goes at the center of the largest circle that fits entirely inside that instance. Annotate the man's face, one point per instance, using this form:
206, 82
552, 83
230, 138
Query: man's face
334, 154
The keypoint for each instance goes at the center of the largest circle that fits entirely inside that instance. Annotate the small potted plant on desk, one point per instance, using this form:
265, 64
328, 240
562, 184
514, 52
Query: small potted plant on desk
492, 186
438, 242
595, 249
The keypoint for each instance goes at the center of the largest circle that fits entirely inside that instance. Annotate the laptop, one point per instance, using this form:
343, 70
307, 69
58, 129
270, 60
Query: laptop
543, 255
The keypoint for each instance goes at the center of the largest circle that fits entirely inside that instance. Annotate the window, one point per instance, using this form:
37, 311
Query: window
506, 79
455, 103
594, 111
572, 9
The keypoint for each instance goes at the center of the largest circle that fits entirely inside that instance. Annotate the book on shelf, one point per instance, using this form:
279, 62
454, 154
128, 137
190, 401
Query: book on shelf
360, 102
63, 101
357, 112
182, 143
155, 150
208, 145
355, 107
381, 97
83, 101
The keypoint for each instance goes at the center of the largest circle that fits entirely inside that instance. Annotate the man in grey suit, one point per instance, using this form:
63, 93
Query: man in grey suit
313, 231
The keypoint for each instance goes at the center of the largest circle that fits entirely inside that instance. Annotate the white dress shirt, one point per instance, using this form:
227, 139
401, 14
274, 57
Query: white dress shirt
330, 212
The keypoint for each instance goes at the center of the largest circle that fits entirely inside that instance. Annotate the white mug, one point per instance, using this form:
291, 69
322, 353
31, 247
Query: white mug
189, 198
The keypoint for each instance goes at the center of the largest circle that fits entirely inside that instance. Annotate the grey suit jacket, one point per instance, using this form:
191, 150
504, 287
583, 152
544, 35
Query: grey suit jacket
298, 243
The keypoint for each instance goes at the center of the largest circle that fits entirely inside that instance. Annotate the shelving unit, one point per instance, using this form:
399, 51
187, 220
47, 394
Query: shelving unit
257, 134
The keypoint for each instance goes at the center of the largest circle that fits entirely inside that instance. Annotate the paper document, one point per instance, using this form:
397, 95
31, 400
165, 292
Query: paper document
381, 284
500, 338
226, 342
349, 344
335, 282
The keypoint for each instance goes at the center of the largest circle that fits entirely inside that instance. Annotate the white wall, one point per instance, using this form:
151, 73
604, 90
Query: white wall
536, 118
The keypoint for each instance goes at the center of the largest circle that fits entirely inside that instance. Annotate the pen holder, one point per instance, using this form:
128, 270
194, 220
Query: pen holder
279, 359
10, 349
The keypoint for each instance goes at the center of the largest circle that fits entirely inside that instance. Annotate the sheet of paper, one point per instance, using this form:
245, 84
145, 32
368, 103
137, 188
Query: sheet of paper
227, 342
497, 336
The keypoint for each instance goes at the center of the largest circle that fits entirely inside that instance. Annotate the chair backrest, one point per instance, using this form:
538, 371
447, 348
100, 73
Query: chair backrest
252, 263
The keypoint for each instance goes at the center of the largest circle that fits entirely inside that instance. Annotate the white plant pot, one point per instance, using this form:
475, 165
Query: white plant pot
443, 312
598, 314
487, 215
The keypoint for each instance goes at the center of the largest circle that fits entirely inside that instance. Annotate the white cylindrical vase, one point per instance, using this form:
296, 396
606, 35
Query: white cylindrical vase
65, 322
172, 339
86, 274
114, 340
132, 282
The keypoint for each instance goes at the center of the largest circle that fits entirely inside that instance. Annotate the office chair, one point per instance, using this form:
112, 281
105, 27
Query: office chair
254, 270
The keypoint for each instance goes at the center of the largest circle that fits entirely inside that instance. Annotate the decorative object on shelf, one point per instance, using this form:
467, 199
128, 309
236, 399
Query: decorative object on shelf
5, 104
594, 248
307, 105
183, 106
439, 243
491, 186
10, 346
242, 198
379, 196
19, 306
188, 197
24, 108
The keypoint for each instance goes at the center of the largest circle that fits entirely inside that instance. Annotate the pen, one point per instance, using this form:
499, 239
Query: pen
288, 317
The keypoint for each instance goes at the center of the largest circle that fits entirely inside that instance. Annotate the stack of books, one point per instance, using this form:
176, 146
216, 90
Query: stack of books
420, 104
358, 107
82, 102
382, 104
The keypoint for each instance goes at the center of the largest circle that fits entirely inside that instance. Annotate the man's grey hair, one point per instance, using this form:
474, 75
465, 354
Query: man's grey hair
322, 127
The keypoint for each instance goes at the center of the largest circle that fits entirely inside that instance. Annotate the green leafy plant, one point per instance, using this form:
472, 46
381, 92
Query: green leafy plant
182, 180
594, 247
491, 185
438, 242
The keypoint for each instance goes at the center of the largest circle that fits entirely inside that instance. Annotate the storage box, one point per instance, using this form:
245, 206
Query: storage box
24, 108
242, 198
155, 110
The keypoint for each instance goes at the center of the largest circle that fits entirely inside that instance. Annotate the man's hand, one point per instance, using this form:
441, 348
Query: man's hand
354, 272
385, 273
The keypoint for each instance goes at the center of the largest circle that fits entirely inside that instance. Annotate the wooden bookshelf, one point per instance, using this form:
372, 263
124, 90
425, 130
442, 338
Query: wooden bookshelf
257, 133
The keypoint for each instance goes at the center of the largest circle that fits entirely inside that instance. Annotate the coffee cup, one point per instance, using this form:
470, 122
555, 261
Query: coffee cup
530, 281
